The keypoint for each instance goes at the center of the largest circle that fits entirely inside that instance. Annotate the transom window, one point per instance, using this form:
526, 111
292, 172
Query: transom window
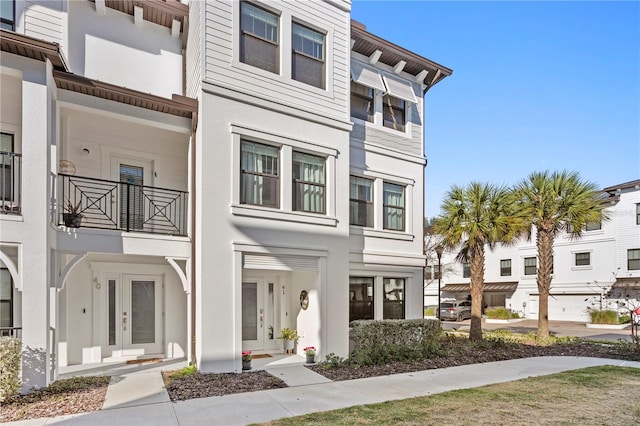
583, 259
530, 266
466, 270
394, 113
361, 201
633, 259
307, 59
260, 180
362, 101
393, 304
308, 183
505, 267
7, 15
258, 37
360, 298
393, 206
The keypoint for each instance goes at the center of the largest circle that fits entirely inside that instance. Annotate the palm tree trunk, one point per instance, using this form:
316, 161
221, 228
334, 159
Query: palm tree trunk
544, 242
477, 286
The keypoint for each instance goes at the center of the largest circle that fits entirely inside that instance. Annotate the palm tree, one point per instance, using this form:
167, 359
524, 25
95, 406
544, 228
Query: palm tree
553, 203
471, 217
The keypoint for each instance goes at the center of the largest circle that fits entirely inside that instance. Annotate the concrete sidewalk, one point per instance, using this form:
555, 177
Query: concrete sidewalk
145, 404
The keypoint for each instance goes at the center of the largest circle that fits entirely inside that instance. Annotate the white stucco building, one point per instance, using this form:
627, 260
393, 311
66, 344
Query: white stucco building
235, 167
595, 271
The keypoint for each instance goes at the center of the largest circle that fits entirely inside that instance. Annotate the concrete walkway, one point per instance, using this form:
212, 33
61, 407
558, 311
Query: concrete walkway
143, 400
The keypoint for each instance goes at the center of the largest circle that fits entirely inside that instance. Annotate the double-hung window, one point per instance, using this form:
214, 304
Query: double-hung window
260, 180
360, 298
638, 214
362, 102
394, 113
583, 259
466, 270
6, 298
530, 266
308, 182
393, 304
7, 15
258, 37
633, 259
593, 226
361, 202
393, 206
307, 58
505, 268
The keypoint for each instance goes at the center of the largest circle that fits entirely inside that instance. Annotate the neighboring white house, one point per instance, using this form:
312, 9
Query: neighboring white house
595, 271
259, 168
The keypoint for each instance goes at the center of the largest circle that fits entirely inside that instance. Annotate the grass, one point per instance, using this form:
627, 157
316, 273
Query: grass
590, 396
603, 317
500, 313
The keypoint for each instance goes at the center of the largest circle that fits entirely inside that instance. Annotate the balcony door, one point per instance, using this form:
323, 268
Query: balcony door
133, 175
134, 315
260, 322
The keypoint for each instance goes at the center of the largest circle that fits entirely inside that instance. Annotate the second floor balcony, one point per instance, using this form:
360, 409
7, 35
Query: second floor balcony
85, 202
10, 188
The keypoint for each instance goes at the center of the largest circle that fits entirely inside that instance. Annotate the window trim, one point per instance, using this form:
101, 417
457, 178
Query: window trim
635, 260
502, 268
295, 182
403, 208
322, 60
243, 33
270, 176
535, 266
575, 259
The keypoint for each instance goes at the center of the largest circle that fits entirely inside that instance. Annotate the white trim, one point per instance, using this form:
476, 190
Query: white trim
275, 214
272, 138
239, 246
386, 151
13, 269
367, 76
380, 233
180, 272
62, 277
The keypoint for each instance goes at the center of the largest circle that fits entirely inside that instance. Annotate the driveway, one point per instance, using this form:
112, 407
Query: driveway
557, 328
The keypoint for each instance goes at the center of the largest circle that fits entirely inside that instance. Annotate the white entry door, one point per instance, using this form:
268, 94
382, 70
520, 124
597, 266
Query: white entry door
260, 326
134, 315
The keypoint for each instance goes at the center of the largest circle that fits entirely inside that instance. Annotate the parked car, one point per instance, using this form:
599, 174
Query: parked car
457, 310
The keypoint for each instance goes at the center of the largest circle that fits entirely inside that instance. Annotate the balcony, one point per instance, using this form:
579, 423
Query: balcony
86, 202
10, 188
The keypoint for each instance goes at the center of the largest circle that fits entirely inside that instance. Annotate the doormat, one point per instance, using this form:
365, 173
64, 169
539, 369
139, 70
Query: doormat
261, 356
144, 361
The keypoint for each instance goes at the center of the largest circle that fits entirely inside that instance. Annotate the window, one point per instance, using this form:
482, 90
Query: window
466, 270
258, 37
362, 101
360, 298
633, 259
7, 160
505, 267
6, 298
394, 113
259, 181
393, 305
308, 183
593, 226
393, 207
638, 214
583, 259
307, 59
529, 265
7, 15
361, 202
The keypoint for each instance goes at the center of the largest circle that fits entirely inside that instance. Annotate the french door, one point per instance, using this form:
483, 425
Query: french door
134, 315
260, 324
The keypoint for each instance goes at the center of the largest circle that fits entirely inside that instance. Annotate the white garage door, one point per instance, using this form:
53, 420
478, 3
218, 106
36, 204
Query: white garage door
569, 307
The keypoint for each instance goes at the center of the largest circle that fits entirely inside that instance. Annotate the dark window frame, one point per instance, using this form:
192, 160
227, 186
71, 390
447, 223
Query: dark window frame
635, 261
466, 270
505, 271
295, 53
593, 226
527, 268
298, 181
244, 198
362, 204
244, 33
387, 304
365, 301
386, 207
638, 214
388, 116
579, 259
370, 98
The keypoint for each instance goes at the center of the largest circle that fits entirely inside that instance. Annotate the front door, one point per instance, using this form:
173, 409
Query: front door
260, 324
134, 315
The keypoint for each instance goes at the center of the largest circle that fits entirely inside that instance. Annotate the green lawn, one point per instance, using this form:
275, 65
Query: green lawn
591, 396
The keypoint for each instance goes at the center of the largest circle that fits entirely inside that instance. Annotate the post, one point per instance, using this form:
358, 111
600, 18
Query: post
439, 250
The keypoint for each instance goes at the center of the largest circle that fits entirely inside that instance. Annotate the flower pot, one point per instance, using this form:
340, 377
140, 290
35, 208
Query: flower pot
246, 365
72, 220
288, 345
311, 359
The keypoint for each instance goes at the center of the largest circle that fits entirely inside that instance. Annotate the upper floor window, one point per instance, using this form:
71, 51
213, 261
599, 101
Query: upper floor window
593, 226
505, 268
583, 259
307, 59
308, 183
362, 101
393, 304
638, 214
394, 113
436, 272
361, 201
530, 266
258, 37
7, 15
7, 166
360, 298
393, 206
259, 181
466, 270
633, 259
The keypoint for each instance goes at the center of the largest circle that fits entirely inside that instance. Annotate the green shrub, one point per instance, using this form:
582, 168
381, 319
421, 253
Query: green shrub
603, 317
10, 356
500, 313
430, 311
369, 334
183, 372
332, 361
624, 319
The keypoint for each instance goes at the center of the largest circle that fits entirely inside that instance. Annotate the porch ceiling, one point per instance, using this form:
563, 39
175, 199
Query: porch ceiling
463, 287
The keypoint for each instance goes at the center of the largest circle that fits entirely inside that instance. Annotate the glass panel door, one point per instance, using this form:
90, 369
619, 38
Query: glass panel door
131, 197
143, 312
250, 311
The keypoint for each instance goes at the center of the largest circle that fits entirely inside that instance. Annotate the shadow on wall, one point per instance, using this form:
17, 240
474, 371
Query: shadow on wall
34, 368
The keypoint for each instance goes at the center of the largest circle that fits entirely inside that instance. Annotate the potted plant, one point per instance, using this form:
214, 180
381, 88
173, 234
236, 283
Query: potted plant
310, 352
246, 360
72, 218
289, 337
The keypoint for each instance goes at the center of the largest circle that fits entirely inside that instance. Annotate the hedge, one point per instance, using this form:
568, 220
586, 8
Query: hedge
369, 334
10, 356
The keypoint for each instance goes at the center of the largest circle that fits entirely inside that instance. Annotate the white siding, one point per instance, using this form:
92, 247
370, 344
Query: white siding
194, 48
44, 20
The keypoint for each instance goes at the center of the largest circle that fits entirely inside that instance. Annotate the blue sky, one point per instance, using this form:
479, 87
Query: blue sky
535, 86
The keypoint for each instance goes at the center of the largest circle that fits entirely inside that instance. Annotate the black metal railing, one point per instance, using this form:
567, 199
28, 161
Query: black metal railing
15, 332
98, 203
10, 186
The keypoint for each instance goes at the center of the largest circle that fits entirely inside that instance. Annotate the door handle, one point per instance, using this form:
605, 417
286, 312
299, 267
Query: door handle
124, 323
261, 321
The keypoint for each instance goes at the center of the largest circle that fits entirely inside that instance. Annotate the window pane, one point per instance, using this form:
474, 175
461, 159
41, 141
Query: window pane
583, 259
529, 265
393, 298
505, 267
637, 214
594, 226
308, 182
249, 311
633, 259
361, 201
360, 298
143, 312
6, 298
361, 102
307, 59
6, 14
393, 207
260, 184
428, 273
393, 113
112, 312
308, 41
259, 38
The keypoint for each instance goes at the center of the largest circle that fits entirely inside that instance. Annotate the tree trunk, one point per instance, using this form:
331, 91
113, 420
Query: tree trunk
544, 242
477, 286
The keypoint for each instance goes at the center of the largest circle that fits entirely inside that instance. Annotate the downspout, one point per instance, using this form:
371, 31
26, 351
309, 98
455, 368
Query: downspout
194, 360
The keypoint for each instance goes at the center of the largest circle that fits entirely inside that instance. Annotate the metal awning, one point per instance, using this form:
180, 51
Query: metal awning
366, 76
465, 288
627, 282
